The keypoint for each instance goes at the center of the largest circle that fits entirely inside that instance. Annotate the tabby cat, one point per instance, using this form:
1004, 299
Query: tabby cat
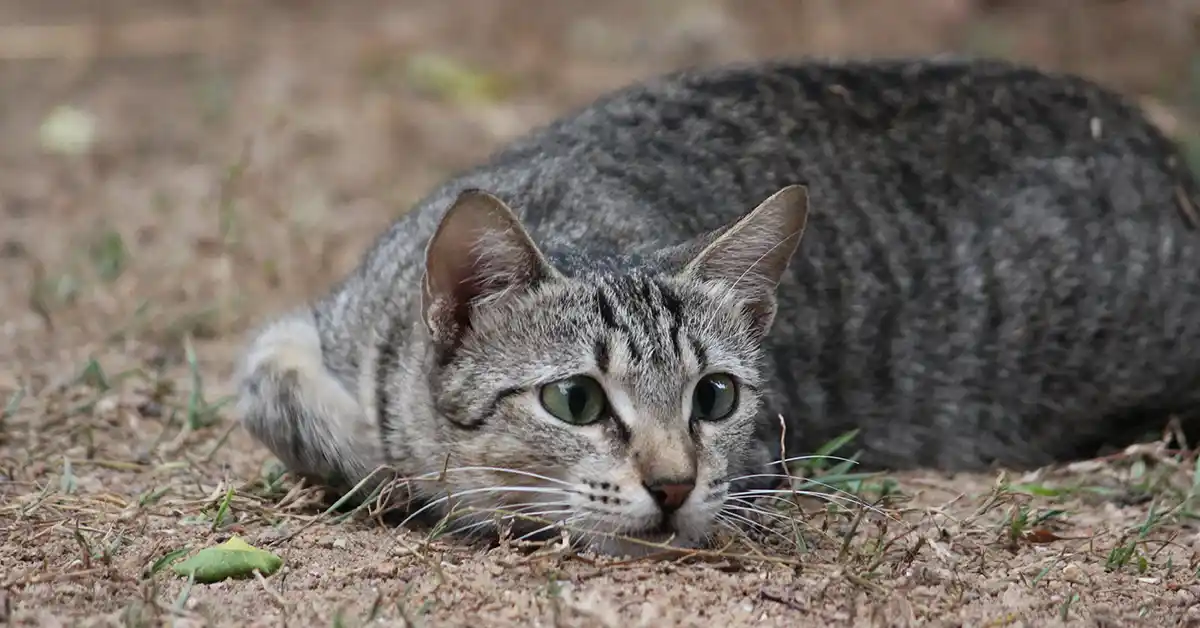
609, 323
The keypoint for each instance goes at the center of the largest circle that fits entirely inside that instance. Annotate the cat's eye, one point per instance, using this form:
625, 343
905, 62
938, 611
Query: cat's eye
578, 400
714, 398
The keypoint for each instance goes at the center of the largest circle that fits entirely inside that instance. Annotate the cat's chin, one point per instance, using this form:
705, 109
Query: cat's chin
639, 545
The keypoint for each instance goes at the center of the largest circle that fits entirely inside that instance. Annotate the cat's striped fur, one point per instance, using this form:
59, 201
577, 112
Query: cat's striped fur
999, 267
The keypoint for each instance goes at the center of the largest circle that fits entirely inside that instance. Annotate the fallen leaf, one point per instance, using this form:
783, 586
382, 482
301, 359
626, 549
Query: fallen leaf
1041, 535
165, 560
234, 558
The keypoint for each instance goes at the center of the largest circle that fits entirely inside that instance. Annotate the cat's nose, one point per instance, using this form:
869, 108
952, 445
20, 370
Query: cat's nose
670, 495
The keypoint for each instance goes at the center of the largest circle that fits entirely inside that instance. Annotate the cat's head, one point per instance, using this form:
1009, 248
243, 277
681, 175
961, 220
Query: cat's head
620, 403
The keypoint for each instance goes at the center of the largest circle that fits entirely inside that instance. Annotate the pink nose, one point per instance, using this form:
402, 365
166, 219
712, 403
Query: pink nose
670, 495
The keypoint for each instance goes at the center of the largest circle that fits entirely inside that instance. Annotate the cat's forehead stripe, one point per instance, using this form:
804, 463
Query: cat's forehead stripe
644, 314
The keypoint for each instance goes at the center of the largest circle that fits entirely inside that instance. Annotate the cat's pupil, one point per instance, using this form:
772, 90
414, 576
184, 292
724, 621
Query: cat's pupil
706, 396
577, 399
713, 398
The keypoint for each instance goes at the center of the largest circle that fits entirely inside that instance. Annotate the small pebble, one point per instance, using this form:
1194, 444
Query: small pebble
1072, 572
385, 570
106, 405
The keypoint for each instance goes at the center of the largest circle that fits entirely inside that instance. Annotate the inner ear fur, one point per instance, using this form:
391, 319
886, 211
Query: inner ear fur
480, 254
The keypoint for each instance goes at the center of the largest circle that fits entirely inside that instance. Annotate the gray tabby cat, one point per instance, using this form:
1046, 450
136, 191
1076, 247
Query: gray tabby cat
604, 323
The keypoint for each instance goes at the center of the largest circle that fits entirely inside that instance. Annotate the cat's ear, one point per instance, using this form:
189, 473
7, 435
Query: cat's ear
751, 254
479, 254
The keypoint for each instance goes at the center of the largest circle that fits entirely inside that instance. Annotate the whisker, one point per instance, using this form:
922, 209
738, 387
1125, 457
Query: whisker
818, 457
826, 497
594, 521
564, 522
536, 532
785, 518
814, 494
488, 489
498, 520
770, 497
439, 472
728, 524
593, 530
808, 480
749, 507
759, 526
833, 499
515, 509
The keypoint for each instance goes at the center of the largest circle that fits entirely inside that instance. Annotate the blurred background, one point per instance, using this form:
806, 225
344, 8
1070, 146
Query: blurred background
182, 168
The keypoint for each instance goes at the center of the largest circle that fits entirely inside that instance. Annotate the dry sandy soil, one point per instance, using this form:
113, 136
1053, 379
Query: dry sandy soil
245, 153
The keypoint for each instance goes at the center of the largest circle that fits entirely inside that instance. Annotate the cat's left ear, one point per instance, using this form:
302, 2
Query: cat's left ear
752, 254
479, 255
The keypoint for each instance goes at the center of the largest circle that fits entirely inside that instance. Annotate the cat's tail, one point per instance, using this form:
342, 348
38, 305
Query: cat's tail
289, 401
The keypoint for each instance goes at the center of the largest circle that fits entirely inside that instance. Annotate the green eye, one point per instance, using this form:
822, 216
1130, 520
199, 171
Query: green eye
577, 400
715, 397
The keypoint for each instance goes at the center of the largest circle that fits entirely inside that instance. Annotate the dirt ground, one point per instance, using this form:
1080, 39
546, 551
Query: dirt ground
171, 172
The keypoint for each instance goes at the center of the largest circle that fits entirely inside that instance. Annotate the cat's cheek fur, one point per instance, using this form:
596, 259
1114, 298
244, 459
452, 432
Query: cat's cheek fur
506, 458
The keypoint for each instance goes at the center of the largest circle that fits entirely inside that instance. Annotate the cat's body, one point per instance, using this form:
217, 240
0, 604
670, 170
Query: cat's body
998, 268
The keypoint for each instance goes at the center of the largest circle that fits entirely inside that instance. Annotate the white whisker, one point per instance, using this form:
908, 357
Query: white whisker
817, 457
770, 497
488, 489
809, 480
834, 499
507, 517
728, 524
759, 526
562, 523
749, 507
439, 472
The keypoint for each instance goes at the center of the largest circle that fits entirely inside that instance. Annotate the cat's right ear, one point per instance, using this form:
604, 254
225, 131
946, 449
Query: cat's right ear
478, 255
751, 254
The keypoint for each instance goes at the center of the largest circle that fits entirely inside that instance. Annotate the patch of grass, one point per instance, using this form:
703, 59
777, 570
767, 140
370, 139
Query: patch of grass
93, 376
222, 510
271, 480
10, 408
454, 81
200, 413
67, 483
1128, 550
108, 255
151, 497
1041, 490
828, 470
50, 292
226, 208
184, 594
1065, 610
376, 607
1017, 522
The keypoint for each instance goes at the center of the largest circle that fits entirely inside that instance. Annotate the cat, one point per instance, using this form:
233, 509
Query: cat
611, 322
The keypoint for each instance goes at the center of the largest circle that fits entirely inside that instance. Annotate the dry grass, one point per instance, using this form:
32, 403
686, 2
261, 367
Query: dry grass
236, 173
